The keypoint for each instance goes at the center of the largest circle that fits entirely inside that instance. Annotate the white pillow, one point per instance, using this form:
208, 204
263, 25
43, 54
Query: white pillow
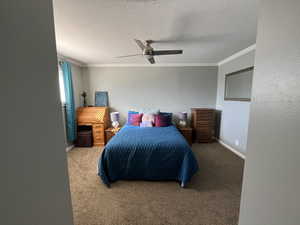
146, 124
148, 117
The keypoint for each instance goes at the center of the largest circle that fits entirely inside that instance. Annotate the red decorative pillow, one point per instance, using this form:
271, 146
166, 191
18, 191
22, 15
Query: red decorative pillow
161, 121
135, 119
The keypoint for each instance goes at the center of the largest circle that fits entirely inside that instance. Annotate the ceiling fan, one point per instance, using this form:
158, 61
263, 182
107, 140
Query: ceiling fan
148, 52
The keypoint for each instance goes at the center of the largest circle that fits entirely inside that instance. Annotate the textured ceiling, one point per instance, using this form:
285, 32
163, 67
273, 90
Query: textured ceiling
95, 31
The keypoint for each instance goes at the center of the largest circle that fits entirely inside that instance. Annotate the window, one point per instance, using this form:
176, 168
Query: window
61, 86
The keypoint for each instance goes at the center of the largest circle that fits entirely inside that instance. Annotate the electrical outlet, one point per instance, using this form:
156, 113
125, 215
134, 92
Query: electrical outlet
237, 143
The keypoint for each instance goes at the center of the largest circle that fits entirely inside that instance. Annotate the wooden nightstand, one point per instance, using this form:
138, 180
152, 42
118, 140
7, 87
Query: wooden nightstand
110, 132
187, 133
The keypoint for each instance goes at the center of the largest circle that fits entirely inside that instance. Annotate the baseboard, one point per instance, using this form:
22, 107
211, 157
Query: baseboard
69, 148
241, 155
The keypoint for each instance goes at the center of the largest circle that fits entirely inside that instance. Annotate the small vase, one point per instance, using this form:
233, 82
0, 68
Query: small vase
84, 102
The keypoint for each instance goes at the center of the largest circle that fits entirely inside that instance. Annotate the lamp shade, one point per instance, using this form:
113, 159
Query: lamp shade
183, 115
114, 116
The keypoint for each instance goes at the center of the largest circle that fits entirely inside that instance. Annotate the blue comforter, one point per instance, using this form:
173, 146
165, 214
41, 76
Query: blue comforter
147, 153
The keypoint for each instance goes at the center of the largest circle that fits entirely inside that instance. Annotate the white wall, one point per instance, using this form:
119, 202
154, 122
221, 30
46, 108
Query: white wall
235, 114
34, 181
171, 89
271, 177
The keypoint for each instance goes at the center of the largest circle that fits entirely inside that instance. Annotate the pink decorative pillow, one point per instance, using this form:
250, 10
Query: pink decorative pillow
135, 119
161, 121
148, 117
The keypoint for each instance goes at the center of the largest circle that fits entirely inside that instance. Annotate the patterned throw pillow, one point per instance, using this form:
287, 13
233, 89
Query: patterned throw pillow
148, 117
161, 121
130, 113
169, 117
135, 119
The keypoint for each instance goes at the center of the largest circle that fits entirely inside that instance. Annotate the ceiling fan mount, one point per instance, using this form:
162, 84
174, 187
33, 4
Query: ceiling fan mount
149, 42
148, 52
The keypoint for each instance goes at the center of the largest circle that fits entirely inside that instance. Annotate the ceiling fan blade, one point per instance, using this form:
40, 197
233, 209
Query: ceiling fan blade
124, 56
140, 44
151, 60
167, 52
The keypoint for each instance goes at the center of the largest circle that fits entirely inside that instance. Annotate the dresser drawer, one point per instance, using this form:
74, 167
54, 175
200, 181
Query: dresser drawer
98, 138
204, 116
204, 130
98, 132
203, 136
98, 126
199, 124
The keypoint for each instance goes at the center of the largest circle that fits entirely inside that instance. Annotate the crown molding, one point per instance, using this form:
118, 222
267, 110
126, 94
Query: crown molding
154, 65
226, 60
238, 54
71, 60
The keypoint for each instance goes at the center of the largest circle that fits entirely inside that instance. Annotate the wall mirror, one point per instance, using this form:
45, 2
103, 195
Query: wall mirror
238, 85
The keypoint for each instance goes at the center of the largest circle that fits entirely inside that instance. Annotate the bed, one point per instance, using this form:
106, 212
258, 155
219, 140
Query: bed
147, 153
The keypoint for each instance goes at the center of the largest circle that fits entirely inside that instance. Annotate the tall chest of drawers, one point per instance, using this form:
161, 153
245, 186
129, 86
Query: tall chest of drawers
203, 123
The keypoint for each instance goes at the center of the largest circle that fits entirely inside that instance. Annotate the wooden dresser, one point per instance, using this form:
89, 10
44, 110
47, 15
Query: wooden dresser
203, 123
97, 118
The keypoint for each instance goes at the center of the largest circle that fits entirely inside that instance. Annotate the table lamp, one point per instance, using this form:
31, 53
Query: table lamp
183, 119
114, 117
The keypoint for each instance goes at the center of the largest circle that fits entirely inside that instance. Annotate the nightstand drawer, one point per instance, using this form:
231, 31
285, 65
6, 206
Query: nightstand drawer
110, 132
187, 133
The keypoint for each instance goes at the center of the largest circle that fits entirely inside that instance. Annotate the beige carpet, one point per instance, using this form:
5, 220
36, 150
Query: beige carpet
211, 198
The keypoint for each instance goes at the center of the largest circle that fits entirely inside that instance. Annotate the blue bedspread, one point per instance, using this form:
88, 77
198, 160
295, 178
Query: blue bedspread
147, 153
